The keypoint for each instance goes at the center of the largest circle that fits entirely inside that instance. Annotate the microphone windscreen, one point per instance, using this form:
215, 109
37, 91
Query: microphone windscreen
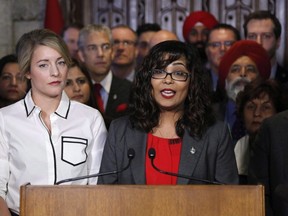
131, 153
152, 153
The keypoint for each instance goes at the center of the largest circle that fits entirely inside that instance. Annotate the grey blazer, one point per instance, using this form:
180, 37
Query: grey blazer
211, 157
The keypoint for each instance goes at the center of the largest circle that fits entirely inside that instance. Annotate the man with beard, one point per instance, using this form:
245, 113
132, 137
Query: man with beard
243, 62
196, 28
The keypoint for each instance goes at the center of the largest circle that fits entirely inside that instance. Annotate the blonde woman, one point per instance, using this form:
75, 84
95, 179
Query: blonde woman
46, 137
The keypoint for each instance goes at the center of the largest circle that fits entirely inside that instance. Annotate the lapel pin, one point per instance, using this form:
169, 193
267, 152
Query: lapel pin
193, 150
115, 96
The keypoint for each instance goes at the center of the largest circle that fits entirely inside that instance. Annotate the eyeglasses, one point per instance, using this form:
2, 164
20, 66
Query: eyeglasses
218, 44
175, 75
125, 43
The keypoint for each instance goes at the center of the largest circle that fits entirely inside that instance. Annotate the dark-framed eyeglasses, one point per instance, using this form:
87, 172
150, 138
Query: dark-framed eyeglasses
218, 44
175, 75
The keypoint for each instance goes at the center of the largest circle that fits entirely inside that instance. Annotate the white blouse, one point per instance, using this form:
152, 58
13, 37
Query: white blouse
30, 154
242, 155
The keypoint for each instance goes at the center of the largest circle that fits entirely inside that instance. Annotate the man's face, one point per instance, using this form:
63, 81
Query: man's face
219, 42
198, 36
97, 54
262, 32
241, 72
124, 46
143, 45
70, 37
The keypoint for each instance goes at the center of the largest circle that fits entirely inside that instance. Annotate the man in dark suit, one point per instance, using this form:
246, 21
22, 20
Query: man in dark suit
95, 51
269, 162
265, 28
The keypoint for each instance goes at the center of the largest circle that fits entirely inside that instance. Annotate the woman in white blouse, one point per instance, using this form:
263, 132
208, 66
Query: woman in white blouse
45, 137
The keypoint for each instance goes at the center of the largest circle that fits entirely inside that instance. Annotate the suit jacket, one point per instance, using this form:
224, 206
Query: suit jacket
118, 100
269, 162
281, 74
211, 157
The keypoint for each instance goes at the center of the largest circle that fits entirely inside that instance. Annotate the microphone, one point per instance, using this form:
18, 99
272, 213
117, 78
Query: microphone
130, 155
152, 155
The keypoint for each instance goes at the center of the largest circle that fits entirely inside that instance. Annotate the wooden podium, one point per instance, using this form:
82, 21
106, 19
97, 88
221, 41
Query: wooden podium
134, 200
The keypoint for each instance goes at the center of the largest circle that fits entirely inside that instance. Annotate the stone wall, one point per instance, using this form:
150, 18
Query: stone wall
18, 17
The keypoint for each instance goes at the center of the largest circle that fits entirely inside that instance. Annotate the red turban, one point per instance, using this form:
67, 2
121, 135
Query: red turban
208, 20
245, 48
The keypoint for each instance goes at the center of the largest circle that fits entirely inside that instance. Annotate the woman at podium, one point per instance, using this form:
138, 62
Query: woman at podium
171, 130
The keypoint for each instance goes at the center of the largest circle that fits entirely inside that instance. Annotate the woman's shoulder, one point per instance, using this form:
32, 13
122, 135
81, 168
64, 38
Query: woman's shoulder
121, 122
218, 128
80, 110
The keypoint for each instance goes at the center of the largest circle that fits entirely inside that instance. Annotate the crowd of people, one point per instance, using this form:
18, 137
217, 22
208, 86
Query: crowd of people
212, 107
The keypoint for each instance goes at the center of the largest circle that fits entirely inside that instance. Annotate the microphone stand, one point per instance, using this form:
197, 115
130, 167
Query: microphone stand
130, 154
152, 155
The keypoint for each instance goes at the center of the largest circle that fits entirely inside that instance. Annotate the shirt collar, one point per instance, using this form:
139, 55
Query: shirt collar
106, 82
62, 109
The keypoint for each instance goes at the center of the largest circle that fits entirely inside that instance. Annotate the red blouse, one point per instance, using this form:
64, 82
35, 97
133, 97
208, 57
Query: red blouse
167, 158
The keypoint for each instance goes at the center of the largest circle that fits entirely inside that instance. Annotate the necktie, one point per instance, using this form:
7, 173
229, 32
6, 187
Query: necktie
97, 88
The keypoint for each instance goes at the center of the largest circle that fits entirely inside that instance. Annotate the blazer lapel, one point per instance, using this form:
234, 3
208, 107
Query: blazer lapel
137, 140
190, 154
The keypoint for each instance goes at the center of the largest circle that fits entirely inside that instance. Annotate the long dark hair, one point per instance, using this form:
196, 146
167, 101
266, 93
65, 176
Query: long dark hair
197, 115
75, 63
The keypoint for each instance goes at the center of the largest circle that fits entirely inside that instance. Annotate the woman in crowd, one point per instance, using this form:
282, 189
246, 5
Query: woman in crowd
259, 100
45, 137
79, 86
171, 120
13, 86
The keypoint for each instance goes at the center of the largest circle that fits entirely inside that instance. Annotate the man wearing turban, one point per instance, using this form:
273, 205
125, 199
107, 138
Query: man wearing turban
196, 27
244, 62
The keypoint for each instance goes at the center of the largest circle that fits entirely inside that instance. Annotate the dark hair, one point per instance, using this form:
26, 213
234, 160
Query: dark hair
257, 89
11, 58
74, 25
197, 116
91, 102
227, 27
146, 27
261, 15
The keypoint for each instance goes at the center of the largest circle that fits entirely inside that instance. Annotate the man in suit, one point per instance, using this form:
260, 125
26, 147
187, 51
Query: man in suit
269, 162
96, 52
264, 28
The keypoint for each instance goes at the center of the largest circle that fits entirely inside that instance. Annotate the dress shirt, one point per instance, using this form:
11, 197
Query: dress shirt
131, 76
29, 153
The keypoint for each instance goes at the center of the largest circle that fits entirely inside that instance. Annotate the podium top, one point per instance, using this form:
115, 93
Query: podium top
196, 200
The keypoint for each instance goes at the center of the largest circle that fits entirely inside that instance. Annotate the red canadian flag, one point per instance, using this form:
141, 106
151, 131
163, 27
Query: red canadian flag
53, 17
